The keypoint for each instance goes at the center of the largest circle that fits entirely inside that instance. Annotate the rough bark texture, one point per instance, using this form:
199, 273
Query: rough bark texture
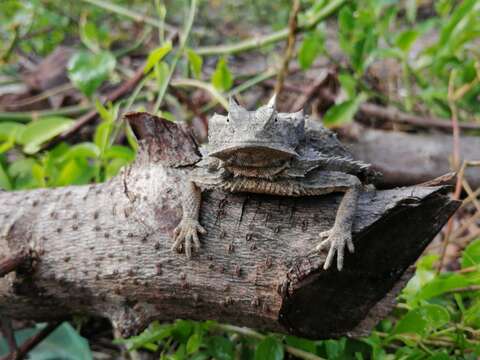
105, 250
407, 159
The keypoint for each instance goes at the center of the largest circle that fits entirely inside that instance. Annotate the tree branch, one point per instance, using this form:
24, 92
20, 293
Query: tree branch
105, 249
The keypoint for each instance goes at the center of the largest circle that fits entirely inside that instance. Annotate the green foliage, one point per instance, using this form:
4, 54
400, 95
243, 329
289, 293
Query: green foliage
63, 343
269, 348
342, 113
438, 316
88, 71
156, 56
196, 63
312, 46
222, 78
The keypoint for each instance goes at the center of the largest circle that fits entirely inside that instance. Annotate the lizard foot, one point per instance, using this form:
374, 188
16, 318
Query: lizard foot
336, 241
186, 236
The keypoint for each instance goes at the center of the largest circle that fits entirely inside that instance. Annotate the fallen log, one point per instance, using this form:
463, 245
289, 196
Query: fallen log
407, 159
104, 250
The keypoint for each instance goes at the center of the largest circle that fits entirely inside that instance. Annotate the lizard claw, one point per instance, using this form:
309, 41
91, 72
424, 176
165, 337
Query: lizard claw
336, 242
186, 236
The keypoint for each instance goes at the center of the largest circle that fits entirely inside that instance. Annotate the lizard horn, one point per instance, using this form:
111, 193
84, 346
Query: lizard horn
237, 111
233, 105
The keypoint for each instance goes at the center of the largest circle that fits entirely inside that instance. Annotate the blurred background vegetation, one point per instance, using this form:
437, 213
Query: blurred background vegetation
69, 70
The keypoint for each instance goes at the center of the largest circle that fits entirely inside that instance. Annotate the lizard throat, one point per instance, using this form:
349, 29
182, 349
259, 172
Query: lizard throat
256, 172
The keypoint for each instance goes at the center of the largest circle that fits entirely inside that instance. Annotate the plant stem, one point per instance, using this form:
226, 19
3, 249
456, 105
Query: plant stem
128, 13
183, 41
202, 85
256, 335
257, 42
33, 115
289, 49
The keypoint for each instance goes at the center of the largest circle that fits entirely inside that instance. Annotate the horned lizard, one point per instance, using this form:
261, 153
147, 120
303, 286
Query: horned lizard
269, 152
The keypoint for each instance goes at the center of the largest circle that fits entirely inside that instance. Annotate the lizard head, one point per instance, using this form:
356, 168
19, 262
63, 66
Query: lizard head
263, 138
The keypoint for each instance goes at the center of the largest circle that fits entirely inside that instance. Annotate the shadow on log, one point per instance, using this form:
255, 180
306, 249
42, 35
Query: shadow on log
105, 250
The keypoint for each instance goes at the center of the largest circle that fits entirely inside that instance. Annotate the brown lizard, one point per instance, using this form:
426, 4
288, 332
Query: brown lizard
269, 152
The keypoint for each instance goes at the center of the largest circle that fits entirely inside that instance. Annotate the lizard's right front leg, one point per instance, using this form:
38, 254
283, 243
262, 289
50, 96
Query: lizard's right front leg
186, 233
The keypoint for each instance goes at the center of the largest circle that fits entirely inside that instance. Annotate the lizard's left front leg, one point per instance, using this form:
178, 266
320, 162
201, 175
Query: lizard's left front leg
186, 233
340, 236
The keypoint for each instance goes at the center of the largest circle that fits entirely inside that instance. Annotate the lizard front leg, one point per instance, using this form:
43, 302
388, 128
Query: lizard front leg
340, 236
186, 233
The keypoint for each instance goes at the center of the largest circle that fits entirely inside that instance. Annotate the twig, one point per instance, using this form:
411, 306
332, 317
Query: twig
311, 91
455, 129
455, 162
256, 42
448, 232
7, 331
191, 105
256, 335
29, 344
42, 96
292, 30
393, 114
181, 48
465, 289
202, 85
11, 263
26, 116
129, 13
85, 119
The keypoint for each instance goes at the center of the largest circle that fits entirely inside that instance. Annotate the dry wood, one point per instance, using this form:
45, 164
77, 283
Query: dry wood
407, 159
105, 250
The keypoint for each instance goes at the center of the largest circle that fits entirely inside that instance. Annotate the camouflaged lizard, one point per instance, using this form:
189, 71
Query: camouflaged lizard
270, 152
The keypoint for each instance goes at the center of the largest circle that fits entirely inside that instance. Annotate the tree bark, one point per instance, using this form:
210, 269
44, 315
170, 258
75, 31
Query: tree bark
104, 250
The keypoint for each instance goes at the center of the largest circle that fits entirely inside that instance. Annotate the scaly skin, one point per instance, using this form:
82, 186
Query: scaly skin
274, 153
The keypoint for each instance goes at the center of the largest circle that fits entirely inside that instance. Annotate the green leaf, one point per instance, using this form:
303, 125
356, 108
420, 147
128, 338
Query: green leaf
335, 348
5, 182
156, 56
344, 112
301, 343
196, 63
104, 113
348, 83
132, 140
222, 79
462, 10
119, 152
405, 39
423, 320
102, 134
472, 315
9, 133
9, 129
114, 166
220, 348
89, 35
88, 71
85, 150
75, 172
312, 46
471, 255
269, 349
37, 132
445, 283
193, 343
63, 343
